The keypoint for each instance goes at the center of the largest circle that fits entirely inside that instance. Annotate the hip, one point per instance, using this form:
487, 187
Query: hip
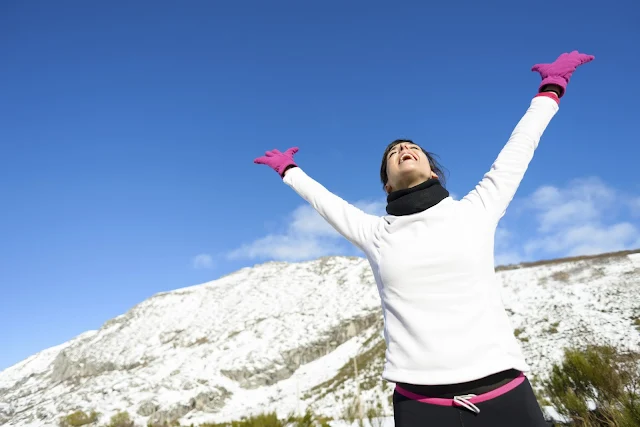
498, 401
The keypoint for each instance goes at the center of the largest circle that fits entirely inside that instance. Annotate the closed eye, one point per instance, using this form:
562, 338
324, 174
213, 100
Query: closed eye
415, 147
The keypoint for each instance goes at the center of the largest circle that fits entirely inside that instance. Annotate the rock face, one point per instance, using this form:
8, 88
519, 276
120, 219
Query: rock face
283, 336
211, 401
148, 408
291, 360
191, 351
167, 416
208, 402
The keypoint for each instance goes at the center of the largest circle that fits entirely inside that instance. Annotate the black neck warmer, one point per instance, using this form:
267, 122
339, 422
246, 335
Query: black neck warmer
416, 199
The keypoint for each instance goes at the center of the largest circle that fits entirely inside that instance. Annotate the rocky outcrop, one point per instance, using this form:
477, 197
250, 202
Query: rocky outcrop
65, 368
6, 412
148, 408
211, 401
293, 359
169, 416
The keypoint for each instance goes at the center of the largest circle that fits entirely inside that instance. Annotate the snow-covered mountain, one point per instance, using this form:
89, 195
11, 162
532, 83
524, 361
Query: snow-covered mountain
284, 336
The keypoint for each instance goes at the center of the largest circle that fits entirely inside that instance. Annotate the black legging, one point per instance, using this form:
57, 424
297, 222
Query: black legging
516, 408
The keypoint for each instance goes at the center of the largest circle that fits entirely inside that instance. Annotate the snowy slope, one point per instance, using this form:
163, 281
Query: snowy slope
283, 336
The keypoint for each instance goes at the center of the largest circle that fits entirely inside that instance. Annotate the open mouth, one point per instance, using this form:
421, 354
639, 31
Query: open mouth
406, 156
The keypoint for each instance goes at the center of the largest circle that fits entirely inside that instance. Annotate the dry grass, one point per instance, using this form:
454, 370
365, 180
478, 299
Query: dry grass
270, 419
561, 276
604, 256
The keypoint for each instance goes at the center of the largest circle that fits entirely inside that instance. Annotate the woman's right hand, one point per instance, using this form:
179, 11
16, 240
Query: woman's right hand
278, 161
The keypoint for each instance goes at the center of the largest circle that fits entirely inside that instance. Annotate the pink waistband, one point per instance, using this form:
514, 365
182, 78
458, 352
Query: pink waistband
476, 399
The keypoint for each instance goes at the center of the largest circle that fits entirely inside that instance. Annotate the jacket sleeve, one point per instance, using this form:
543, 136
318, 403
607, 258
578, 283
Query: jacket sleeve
498, 186
351, 222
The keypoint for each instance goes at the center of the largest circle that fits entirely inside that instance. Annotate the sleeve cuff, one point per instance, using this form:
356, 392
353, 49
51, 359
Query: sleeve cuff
291, 175
549, 95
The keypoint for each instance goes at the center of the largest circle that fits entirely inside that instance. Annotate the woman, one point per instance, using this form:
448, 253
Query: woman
451, 350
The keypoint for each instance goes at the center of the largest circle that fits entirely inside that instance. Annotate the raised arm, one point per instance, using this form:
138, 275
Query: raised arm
498, 187
351, 222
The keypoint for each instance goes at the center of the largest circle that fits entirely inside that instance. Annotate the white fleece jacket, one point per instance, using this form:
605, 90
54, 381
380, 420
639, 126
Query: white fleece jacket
444, 320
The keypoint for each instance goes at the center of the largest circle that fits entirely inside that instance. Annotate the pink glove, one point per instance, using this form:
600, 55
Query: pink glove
559, 72
278, 161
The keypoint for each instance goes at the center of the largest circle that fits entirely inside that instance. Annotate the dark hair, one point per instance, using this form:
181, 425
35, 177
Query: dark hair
435, 166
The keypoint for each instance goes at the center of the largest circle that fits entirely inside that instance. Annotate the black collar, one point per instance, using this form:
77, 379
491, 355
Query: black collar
416, 199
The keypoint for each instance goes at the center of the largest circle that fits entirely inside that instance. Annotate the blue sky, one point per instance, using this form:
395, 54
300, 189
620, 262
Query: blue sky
128, 131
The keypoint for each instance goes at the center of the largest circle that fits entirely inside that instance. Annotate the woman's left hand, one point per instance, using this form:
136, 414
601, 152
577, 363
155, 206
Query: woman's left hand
559, 72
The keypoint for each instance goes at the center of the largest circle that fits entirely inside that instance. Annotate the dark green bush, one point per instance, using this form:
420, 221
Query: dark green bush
121, 419
598, 386
79, 418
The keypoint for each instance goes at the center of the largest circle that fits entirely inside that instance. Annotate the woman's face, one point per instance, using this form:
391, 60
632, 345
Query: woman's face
407, 166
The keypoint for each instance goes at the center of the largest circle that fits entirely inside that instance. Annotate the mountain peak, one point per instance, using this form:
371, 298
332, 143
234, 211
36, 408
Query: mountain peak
279, 335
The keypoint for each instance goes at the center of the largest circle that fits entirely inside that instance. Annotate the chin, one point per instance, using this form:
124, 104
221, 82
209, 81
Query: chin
409, 169
410, 173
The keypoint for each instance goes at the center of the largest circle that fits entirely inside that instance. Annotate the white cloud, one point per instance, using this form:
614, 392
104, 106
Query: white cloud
585, 217
286, 248
546, 195
503, 237
202, 261
585, 239
581, 201
372, 207
307, 236
505, 254
634, 203
306, 221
